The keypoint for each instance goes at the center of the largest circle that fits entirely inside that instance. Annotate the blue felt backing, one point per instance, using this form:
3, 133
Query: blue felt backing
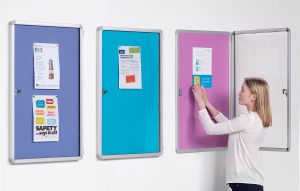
130, 118
68, 94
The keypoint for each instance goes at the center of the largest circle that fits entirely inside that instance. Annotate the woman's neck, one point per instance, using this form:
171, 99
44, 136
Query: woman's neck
250, 108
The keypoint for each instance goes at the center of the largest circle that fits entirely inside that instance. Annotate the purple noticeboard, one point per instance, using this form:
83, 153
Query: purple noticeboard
191, 136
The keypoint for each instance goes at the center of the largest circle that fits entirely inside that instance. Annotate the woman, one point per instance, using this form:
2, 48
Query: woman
246, 132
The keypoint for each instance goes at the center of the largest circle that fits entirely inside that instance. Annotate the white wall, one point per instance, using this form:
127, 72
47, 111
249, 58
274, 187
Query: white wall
192, 172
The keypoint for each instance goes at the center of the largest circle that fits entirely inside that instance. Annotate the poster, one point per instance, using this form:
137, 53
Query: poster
45, 118
46, 66
202, 66
130, 74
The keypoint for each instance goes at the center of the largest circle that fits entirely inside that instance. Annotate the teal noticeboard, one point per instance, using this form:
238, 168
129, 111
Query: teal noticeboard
128, 120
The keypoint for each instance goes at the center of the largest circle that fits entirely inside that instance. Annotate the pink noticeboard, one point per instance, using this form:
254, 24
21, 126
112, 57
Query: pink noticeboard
190, 133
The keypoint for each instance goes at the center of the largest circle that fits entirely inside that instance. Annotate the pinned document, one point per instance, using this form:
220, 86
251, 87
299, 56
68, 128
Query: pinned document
45, 118
202, 66
130, 72
46, 66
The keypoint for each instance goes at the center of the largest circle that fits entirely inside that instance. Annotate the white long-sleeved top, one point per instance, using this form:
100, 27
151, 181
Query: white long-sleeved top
246, 133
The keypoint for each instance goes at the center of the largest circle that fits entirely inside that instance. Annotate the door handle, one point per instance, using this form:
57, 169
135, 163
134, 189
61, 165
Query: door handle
17, 91
285, 91
104, 91
180, 92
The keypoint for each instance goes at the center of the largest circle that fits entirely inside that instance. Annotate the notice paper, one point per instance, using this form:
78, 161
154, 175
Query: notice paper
45, 118
202, 66
46, 66
130, 73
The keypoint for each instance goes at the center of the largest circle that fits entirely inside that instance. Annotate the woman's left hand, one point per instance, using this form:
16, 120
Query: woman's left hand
198, 95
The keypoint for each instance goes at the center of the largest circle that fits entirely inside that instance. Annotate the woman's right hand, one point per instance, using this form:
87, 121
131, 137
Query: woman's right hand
198, 95
204, 95
205, 101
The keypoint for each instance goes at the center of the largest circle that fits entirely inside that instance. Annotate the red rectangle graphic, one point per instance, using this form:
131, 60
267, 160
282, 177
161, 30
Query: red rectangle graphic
49, 101
130, 79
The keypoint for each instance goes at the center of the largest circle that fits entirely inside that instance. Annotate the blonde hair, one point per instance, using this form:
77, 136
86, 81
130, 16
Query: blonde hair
260, 88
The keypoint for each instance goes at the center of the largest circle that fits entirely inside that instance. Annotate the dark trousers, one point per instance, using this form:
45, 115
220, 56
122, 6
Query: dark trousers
245, 187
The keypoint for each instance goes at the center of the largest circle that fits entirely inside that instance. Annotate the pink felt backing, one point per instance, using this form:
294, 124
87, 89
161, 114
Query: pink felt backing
191, 135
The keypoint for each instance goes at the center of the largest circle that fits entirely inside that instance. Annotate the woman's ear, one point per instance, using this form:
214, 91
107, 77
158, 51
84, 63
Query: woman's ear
253, 96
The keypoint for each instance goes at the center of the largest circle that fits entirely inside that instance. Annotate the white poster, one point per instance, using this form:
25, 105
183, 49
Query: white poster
202, 66
46, 66
130, 73
202, 61
45, 118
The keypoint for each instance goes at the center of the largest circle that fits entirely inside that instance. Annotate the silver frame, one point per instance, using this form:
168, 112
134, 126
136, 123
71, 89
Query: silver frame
288, 80
12, 95
99, 95
231, 79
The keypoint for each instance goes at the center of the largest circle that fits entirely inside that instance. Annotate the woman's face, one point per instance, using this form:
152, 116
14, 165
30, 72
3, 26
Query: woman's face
245, 96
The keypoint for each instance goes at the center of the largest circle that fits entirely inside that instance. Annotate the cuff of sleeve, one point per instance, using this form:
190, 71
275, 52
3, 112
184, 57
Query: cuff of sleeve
219, 116
202, 110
